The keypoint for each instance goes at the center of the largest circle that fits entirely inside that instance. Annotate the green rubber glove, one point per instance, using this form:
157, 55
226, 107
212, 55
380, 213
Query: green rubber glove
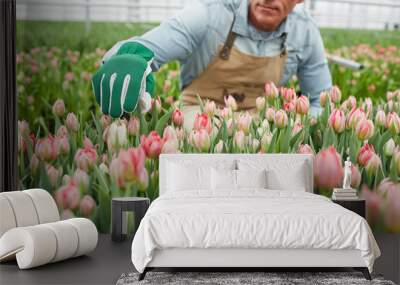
125, 81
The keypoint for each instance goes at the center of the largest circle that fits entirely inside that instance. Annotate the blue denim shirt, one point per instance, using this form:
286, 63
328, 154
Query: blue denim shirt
194, 34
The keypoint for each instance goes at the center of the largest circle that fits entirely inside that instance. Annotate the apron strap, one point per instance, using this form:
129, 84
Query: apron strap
226, 49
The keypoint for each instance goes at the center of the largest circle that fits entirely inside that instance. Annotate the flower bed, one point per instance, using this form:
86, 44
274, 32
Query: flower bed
85, 162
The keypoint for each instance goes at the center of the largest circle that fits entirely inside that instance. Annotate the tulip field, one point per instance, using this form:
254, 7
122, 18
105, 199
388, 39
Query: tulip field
84, 158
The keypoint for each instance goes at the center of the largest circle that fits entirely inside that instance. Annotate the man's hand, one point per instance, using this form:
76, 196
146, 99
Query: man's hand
124, 82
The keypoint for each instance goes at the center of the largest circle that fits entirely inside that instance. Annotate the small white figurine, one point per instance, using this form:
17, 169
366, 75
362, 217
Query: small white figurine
347, 174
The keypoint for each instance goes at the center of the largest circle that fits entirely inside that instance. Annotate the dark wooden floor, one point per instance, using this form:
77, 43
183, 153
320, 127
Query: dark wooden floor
103, 266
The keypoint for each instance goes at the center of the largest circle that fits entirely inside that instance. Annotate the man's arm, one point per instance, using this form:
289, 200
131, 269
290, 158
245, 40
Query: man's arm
175, 39
313, 72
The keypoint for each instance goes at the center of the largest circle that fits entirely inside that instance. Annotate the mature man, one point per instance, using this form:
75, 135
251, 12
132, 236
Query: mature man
225, 47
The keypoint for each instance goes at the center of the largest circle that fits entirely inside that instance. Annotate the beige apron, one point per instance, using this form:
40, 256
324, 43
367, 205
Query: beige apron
234, 73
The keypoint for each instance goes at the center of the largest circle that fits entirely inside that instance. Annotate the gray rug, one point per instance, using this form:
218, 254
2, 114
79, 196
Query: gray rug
273, 278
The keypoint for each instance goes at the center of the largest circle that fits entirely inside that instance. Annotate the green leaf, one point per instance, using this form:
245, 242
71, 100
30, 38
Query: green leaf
162, 122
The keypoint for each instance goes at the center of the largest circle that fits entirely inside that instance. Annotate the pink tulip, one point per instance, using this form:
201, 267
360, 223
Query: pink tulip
62, 145
170, 133
290, 106
170, 146
367, 106
85, 158
67, 214
386, 186
393, 122
62, 131
380, 118
219, 147
239, 140
59, 108
266, 141
46, 148
270, 114
364, 129
336, 94
81, 178
200, 139
302, 105
129, 165
337, 121
230, 127
87, 206
288, 94
177, 117
281, 119
351, 102
68, 196
296, 128
105, 121
53, 174
230, 102
373, 165
355, 116
210, 108
72, 122
202, 121
260, 103
305, 149
152, 144
23, 128
374, 205
271, 92
156, 103
87, 142
328, 169
134, 126
225, 113
365, 154
244, 122
324, 98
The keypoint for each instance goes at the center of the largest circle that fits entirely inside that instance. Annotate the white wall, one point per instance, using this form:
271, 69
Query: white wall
328, 13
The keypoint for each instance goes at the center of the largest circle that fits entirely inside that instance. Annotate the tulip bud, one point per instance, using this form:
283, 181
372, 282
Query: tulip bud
87, 206
355, 177
305, 149
389, 147
225, 113
337, 120
364, 129
152, 144
271, 92
266, 141
63, 145
117, 135
59, 108
210, 108
230, 103
177, 117
105, 121
336, 94
229, 127
23, 128
260, 103
270, 114
219, 147
200, 139
244, 122
324, 98
72, 122
302, 105
281, 119
81, 178
134, 126
85, 158
365, 154
373, 165
288, 94
380, 118
393, 122
103, 168
328, 170
355, 116
239, 140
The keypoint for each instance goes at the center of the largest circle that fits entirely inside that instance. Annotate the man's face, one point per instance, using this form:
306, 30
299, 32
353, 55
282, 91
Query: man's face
266, 15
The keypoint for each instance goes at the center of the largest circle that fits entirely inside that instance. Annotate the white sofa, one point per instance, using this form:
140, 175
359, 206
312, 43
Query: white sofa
31, 231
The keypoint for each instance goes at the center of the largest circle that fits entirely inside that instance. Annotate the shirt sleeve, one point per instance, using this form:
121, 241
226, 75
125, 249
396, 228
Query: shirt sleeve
313, 72
176, 38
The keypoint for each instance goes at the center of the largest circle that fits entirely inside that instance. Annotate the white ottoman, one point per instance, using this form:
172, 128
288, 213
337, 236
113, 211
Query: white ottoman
31, 232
